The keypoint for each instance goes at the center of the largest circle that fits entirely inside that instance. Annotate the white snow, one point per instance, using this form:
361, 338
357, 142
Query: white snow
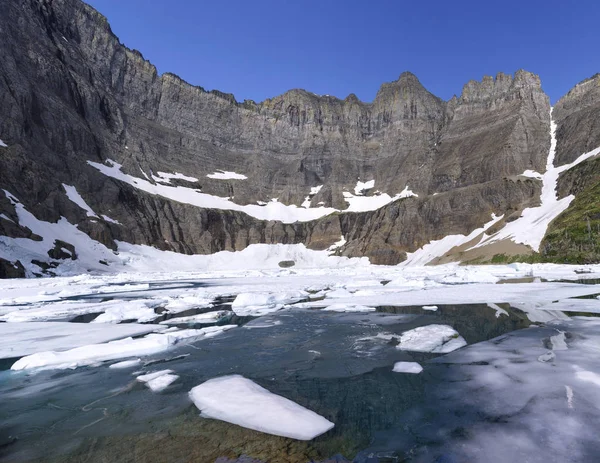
2, 144
259, 303
438, 248
126, 364
89, 251
499, 310
158, 380
164, 177
240, 401
20, 339
338, 244
531, 227
431, 338
127, 310
108, 219
74, 196
273, 210
432, 308
313, 191
94, 353
210, 317
226, 175
361, 187
532, 174
407, 367
348, 308
360, 203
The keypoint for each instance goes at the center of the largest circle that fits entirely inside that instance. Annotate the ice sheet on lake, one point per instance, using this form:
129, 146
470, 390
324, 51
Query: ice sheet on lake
209, 317
532, 410
431, 338
259, 303
407, 367
348, 308
240, 401
574, 305
128, 310
20, 339
123, 348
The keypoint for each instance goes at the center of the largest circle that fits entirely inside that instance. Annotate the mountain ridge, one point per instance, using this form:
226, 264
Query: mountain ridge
78, 95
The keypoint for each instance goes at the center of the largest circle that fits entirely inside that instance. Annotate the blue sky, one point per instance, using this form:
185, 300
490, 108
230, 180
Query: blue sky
258, 49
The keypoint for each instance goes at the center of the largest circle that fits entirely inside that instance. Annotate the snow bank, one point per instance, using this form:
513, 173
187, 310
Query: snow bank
360, 203
238, 400
407, 367
74, 196
271, 211
226, 175
165, 177
439, 248
431, 338
531, 227
89, 252
95, 353
254, 257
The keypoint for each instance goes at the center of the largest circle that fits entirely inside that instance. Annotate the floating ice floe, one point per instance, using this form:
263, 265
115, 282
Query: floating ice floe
125, 364
123, 348
240, 401
20, 339
431, 338
127, 310
407, 367
348, 308
255, 304
158, 380
209, 317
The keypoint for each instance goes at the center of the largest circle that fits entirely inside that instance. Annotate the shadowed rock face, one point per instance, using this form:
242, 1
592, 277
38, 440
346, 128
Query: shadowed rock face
71, 92
578, 117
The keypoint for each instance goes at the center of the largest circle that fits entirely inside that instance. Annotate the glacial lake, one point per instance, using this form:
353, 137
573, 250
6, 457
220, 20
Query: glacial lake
338, 365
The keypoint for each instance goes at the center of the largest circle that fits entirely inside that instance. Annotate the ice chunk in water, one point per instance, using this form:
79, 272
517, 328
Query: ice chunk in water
431, 338
407, 367
241, 401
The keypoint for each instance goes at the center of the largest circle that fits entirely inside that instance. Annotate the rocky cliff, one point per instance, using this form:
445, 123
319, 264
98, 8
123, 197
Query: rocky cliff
70, 93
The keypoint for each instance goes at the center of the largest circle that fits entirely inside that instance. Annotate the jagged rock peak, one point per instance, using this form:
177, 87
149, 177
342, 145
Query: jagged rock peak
502, 84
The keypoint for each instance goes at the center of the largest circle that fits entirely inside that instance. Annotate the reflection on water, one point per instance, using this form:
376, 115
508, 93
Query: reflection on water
320, 360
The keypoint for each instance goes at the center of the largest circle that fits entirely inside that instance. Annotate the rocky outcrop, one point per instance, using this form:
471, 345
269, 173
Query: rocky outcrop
71, 92
578, 117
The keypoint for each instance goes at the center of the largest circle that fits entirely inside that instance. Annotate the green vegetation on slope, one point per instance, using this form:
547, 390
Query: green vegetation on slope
574, 236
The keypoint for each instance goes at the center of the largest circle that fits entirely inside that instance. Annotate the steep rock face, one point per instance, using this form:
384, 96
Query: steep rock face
70, 92
578, 117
